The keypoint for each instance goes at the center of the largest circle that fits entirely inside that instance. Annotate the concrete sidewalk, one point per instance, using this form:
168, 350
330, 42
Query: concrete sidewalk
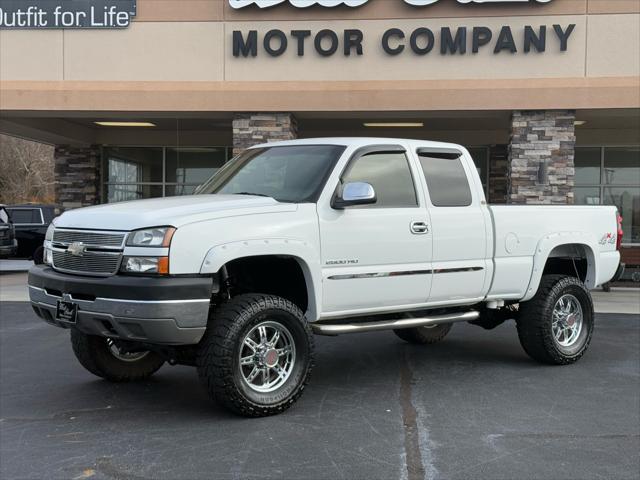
13, 288
619, 300
14, 265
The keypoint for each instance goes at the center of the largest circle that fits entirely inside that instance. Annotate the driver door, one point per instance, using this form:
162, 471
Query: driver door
379, 255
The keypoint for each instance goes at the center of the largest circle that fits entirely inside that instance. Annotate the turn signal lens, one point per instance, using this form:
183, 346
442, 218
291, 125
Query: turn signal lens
163, 265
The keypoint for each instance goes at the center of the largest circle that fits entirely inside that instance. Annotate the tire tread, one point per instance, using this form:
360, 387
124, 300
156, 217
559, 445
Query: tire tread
533, 332
214, 359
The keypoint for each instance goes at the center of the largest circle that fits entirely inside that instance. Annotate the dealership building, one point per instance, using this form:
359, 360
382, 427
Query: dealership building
148, 98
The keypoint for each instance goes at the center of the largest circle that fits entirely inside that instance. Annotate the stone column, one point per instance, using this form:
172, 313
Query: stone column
77, 175
252, 128
541, 157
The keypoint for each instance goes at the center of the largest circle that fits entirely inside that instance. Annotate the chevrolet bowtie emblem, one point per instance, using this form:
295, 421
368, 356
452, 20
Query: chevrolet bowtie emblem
76, 249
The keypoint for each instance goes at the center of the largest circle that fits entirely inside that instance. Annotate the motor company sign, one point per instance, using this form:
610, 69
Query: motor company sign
420, 41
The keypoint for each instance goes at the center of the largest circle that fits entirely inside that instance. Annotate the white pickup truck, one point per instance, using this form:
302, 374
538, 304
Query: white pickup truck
325, 236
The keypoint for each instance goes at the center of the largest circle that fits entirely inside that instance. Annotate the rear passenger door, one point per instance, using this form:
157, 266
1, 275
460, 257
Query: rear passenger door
373, 256
458, 227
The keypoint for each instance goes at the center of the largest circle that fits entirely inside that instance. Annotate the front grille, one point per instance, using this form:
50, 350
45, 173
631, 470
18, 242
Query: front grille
101, 256
97, 239
89, 263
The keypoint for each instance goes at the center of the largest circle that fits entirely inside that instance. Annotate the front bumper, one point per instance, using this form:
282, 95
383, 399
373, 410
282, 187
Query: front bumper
159, 310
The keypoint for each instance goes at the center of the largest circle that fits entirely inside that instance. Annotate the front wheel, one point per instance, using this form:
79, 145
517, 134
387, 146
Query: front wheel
556, 325
257, 354
104, 358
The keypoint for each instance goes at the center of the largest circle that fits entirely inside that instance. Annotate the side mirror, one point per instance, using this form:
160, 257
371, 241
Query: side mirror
355, 193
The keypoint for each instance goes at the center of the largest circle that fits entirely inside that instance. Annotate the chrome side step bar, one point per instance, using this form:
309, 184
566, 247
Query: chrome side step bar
334, 329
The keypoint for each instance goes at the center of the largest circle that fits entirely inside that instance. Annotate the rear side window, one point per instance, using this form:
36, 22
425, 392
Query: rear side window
389, 174
25, 215
447, 182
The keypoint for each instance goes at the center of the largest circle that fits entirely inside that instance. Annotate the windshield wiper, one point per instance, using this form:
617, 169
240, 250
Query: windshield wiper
251, 193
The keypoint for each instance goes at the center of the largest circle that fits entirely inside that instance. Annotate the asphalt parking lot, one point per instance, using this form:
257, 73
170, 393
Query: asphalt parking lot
473, 406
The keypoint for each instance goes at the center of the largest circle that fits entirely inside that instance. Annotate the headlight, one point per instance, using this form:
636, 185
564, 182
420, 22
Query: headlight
158, 265
49, 235
151, 237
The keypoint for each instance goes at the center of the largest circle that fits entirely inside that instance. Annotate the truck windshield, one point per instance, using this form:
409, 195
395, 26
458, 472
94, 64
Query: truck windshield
294, 174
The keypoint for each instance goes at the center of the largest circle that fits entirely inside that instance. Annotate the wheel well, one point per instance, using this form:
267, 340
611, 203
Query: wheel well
572, 260
270, 274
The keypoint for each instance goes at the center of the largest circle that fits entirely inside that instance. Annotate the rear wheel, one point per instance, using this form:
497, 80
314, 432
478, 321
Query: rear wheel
104, 358
257, 354
556, 325
424, 335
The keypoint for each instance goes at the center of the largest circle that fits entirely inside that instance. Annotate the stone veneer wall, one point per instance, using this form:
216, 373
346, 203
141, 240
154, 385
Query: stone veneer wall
541, 157
252, 128
77, 173
498, 171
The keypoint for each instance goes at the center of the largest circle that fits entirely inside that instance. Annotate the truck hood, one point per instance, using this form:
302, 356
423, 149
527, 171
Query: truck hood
173, 211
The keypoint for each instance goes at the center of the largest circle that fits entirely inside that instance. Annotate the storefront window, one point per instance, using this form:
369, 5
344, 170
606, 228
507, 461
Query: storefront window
133, 173
480, 157
611, 176
622, 166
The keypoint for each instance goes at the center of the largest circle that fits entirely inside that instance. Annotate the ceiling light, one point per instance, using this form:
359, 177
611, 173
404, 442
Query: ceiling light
125, 124
579, 123
394, 124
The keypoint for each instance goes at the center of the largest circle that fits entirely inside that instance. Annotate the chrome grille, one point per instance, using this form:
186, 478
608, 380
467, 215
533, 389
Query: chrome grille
100, 256
97, 239
90, 263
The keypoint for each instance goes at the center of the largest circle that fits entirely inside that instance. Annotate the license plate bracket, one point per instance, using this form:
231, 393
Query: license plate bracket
66, 311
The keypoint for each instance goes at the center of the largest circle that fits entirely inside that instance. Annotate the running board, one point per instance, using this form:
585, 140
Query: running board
334, 329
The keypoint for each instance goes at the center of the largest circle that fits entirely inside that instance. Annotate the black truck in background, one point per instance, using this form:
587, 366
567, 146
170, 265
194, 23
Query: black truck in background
30, 222
8, 243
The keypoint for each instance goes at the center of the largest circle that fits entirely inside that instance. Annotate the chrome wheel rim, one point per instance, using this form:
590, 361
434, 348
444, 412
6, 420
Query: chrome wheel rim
267, 356
124, 356
567, 320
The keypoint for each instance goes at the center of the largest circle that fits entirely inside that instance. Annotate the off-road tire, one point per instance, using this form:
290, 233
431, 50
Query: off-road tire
535, 319
424, 335
218, 354
94, 355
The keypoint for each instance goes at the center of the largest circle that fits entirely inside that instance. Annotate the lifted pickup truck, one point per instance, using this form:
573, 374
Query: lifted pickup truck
325, 236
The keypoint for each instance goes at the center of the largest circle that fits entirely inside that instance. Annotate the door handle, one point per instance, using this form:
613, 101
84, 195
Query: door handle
419, 228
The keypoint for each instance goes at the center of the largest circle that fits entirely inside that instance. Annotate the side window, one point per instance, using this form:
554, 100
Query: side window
447, 181
390, 176
25, 215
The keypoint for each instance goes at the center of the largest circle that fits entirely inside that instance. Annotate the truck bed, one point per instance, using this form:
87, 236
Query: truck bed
525, 233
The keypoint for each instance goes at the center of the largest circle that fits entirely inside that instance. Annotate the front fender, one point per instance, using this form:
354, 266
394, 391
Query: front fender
301, 251
552, 241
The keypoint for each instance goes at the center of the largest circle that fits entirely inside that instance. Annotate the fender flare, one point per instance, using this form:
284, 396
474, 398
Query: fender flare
299, 250
554, 240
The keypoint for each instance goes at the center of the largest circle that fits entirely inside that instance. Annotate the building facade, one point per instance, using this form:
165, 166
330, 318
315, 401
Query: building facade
148, 98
